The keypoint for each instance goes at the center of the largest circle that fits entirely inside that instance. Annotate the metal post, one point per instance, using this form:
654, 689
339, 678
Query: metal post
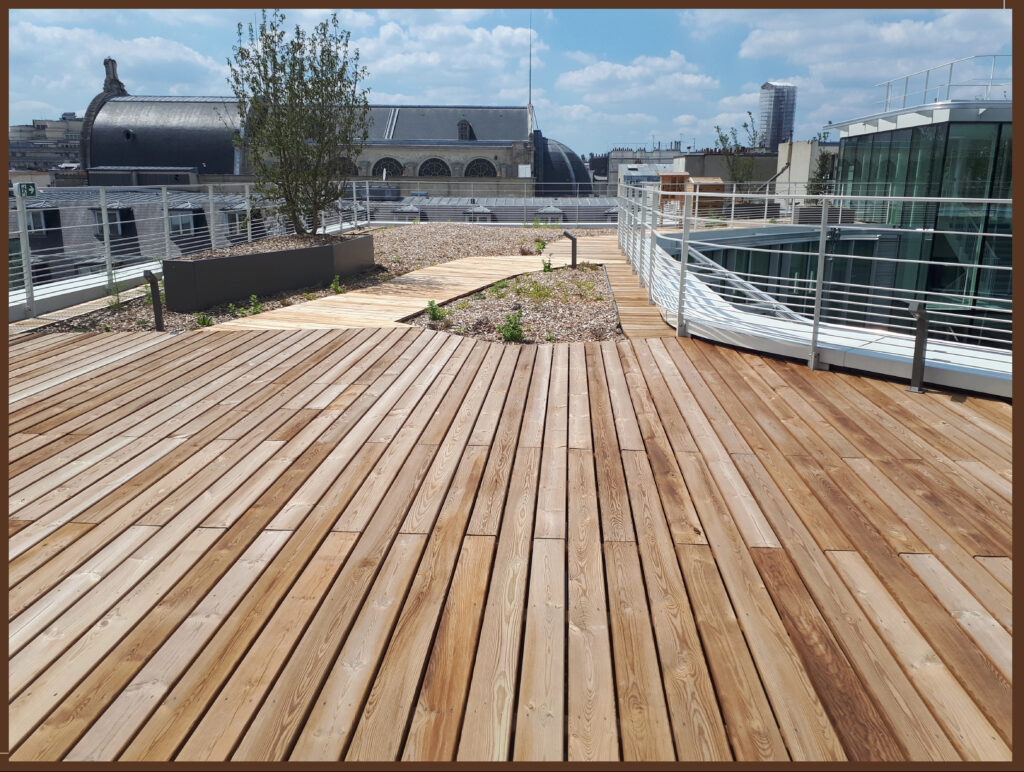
696, 204
573, 240
732, 211
917, 310
154, 290
212, 219
367, 202
906, 85
652, 241
991, 77
26, 251
766, 203
812, 361
355, 206
927, 75
949, 82
684, 256
107, 260
248, 215
167, 224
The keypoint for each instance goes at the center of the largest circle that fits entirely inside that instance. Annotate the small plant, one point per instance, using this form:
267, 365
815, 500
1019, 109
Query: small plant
547, 265
336, 285
773, 221
235, 311
549, 337
285, 302
498, 288
461, 330
204, 320
512, 330
435, 313
115, 301
255, 306
461, 304
106, 328
309, 295
540, 244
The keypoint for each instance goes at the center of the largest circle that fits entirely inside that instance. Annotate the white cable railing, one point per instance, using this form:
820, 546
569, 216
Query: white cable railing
828, 289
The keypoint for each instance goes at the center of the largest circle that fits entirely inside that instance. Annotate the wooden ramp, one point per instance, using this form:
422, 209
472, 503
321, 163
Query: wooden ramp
401, 544
388, 304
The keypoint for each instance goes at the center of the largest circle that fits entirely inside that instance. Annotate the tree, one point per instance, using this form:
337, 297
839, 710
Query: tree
304, 115
740, 169
821, 179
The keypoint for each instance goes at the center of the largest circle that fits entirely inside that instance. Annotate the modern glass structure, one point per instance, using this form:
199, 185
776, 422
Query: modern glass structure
778, 109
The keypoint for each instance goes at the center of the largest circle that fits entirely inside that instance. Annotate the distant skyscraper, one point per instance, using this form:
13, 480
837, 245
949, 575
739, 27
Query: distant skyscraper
778, 107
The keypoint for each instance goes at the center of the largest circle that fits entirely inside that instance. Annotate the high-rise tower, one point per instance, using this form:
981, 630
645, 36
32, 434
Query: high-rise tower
778, 107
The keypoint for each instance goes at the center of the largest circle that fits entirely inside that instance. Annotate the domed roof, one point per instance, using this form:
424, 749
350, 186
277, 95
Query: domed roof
562, 171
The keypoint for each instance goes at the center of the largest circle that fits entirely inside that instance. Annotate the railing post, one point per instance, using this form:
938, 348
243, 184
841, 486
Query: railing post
906, 85
949, 82
917, 310
652, 241
732, 211
167, 223
212, 221
367, 202
684, 256
813, 361
927, 75
26, 251
248, 215
355, 206
107, 259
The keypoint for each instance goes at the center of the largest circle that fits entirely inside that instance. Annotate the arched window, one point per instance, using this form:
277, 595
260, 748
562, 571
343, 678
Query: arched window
434, 167
393, 168
348, 168
466, 130
480, 167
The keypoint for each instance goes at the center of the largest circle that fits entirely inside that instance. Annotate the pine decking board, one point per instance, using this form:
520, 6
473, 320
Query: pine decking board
749, 721
393, 543
862, 730
963, 719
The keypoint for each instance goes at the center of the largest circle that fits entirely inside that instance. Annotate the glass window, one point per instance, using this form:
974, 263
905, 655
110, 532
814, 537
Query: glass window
181, 224
36, 221
236, 223
899, 156
114, 222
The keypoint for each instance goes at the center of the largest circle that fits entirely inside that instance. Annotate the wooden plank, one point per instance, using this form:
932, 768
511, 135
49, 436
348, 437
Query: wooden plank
592, 730
908, 716
643, 715
43, 550
392, 697
626, 427
53, 686
987, 633
967, 726
863, 731
616, 523
487, 725
328, 729
693, 709
999, 567
215, 735
551, 492
749, 722
434, 728
579, 399
539, 732
114, 728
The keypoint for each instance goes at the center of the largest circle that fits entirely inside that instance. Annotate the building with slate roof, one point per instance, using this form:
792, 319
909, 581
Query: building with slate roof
140, 140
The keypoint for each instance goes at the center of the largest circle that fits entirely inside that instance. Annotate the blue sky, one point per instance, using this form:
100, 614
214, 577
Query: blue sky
601, 78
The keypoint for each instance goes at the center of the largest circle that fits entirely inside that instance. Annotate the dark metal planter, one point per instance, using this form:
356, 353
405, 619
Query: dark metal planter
196, 285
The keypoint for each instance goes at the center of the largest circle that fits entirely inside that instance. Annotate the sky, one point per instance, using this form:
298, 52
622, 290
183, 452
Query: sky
600, 78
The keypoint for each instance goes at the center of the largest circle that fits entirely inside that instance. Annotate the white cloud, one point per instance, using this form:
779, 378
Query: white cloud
605, 82
582, 57
747, 101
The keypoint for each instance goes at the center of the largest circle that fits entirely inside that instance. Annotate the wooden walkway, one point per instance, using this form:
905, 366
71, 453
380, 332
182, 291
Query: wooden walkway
388, 304
402, 544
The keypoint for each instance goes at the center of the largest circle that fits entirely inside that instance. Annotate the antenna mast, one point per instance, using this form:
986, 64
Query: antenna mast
529, 97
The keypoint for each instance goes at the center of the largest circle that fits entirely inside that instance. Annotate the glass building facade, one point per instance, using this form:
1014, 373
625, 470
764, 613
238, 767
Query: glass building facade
948, 160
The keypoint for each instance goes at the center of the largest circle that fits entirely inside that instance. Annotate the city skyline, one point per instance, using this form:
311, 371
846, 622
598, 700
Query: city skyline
600, 79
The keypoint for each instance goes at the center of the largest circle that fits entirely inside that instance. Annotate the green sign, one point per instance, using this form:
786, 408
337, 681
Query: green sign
27, 188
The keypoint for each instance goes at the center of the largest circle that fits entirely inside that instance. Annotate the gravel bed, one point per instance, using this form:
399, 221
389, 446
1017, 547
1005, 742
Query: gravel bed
397, 250
555, 306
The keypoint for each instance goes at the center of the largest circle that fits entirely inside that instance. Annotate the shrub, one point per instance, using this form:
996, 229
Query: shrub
204, 320
255, 306
547, 265
512, 330
336, 285
540, 244
549, 337
435, 313
235, 310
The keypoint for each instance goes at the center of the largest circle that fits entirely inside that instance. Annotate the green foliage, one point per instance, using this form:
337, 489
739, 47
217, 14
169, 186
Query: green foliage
549, 337
235, 311
434, 312
821, 179
540, 244
533, 289
115, 302
304, 114
309, 295
336, 285
512, 330
547, 265
255, 306
461, 304
498, 288
204, 319
740, 169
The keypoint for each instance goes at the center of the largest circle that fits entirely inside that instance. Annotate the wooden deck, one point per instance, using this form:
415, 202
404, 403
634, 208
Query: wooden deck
401, 544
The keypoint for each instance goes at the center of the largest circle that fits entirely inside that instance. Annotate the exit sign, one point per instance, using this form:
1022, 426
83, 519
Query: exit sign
27, 188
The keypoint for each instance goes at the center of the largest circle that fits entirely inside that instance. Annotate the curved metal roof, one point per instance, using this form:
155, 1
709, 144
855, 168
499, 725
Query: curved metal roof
165, 131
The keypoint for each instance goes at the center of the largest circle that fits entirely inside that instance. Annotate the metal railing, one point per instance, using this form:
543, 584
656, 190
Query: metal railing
987, 77
793, 287
69, 245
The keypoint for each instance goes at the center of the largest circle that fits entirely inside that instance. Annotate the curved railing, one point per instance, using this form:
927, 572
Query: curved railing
841, 291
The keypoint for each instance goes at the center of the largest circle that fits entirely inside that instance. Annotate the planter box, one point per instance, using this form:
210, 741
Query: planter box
195, 285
